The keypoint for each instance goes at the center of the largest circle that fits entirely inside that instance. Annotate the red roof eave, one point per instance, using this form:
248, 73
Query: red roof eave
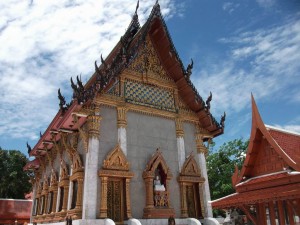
289, 191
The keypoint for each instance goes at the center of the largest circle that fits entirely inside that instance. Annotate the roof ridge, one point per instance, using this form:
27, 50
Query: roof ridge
269, 127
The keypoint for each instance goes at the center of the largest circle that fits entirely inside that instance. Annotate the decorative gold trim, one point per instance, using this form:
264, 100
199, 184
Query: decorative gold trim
153, 209
122, 120
179, 127
201, 148
115, 166
113, 101
116, 160
94, 126
190, 175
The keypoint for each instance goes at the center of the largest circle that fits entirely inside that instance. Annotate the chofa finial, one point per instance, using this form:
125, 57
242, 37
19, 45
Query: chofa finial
222, 122
28, 148
208, 101
137, 6
189, 68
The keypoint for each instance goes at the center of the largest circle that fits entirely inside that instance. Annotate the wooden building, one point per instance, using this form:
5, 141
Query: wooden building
131, 142
268, 185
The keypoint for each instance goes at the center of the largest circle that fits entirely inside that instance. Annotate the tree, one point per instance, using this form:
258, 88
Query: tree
221, 166
14, 182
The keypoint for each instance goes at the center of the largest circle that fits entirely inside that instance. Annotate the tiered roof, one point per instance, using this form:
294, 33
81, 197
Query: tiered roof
120, 58
271, 169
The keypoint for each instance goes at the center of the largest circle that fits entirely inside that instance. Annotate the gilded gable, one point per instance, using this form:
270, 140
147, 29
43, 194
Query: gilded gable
148, 65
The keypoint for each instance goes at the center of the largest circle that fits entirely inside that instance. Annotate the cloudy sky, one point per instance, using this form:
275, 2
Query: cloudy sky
238, 47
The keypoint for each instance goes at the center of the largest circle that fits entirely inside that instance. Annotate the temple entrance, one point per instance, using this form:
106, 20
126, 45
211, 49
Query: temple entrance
191, 187
115, 203
193, 200
115, 185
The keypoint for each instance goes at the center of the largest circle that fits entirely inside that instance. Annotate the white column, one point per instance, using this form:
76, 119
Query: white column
122, 124
181, 152
122, 139
58, 190
180, 142
206, 194
90, 180
58, 199
90, 197
70, 195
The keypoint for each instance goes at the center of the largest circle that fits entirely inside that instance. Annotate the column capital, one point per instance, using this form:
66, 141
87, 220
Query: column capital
179, 127
201, 148
122, 119
94, 126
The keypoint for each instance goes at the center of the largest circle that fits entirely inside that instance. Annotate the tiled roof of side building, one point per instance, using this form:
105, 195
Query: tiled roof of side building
289, 141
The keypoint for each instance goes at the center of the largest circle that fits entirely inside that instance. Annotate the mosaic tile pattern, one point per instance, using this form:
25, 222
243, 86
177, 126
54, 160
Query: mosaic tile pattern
114, 90
146, 95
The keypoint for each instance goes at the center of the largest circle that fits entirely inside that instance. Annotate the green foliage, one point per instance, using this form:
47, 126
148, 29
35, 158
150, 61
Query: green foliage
14, 182
221, 165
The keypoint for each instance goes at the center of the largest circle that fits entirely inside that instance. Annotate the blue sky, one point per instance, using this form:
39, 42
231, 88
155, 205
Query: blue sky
238, 47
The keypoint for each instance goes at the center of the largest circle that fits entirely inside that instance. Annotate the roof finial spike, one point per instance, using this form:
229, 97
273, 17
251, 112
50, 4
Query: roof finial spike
28, 148
222, 122
102, 60
137, 6
208, 101
189, 68
156, 3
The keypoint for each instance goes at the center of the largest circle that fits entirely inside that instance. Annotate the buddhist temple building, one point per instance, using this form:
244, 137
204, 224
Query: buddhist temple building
132, 142
268, 185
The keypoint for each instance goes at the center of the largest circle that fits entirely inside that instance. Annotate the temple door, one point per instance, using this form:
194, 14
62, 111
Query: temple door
193, 201
115, 196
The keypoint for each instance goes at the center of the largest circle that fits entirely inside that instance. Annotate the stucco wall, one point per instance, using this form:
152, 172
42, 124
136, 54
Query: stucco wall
189, 138
144, 135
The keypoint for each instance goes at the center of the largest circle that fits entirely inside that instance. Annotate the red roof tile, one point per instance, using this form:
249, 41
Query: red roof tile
289, 142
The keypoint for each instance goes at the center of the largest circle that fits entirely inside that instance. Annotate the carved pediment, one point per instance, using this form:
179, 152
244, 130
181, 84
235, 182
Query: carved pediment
63, 170
53, 179
156, 160
45, 183
77, 164
190, 167
116, 160
148, 64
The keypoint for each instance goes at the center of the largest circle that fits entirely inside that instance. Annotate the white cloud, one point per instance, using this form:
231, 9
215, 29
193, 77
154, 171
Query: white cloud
44, 43
292, 127
230, 7
264, 62
266, 3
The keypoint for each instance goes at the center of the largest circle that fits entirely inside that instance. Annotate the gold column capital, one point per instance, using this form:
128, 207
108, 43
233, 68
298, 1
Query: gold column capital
201, 148
179, 127
121, 113
94, 126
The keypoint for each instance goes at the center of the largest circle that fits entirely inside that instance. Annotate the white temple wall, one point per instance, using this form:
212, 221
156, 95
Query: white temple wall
189, 138
108, 139
144, 135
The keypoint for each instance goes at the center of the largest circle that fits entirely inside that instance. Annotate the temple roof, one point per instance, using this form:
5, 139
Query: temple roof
285, 144
289, 191
283, 182
120, 58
